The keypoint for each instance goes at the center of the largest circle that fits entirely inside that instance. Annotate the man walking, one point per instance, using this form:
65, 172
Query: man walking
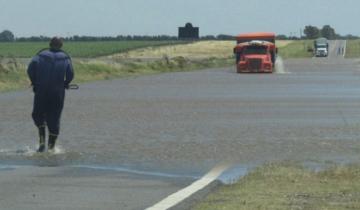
50, 72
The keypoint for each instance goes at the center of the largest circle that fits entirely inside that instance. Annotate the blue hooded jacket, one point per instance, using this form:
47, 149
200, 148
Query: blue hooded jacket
50, 70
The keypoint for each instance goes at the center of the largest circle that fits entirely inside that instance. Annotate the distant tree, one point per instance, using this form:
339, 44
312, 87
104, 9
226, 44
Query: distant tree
208, 37
350, 36
328, 32
294, 38
311, 32
7, 36
282, 37
225, 37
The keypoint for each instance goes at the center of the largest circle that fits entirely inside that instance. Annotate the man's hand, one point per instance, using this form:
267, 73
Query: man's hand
73, 87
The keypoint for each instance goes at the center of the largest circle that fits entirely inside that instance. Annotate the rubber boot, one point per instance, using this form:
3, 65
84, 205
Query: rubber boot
41, 139
52, 141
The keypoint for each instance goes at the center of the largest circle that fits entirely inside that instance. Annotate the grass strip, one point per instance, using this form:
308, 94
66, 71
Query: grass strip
13, 74
297, 49
353, 49
290, 186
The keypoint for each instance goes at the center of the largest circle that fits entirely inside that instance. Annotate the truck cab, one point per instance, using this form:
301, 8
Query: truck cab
321, 46
255, 52
321, 51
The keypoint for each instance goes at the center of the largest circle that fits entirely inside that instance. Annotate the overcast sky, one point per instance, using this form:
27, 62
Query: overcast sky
155, 17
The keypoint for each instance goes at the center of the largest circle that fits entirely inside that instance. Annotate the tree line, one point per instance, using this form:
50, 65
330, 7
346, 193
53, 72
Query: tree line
313, 32
310, 32
8, 36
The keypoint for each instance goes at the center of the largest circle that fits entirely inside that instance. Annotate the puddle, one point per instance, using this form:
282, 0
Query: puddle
233, 174
7, 168
133, 171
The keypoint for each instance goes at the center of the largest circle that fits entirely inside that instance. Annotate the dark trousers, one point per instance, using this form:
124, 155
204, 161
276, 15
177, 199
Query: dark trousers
48, 106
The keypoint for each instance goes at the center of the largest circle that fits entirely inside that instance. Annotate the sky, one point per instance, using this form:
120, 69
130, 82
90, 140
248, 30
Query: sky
157, 17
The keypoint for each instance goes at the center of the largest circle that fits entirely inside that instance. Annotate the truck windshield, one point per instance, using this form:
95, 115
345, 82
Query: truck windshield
249, 50
321, 45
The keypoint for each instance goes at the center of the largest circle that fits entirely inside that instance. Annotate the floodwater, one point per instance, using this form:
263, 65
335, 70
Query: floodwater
182, 124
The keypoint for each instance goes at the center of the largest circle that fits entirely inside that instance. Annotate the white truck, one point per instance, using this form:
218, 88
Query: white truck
321, 46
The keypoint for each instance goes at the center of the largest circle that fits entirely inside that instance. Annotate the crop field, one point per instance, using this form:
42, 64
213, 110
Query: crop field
196, 50
78, 49
123, 58
353, 49
296, 49
13, 69
92, 49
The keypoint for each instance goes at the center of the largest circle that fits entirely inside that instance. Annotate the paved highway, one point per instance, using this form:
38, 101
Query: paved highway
147, 137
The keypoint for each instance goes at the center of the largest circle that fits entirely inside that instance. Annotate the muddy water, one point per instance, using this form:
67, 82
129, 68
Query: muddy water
184, 123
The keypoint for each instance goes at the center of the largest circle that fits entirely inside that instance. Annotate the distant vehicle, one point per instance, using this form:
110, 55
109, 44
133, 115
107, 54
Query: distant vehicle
255, 52
321, 47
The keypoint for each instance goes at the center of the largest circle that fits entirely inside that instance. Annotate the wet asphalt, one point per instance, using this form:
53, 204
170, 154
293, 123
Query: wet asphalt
185, 123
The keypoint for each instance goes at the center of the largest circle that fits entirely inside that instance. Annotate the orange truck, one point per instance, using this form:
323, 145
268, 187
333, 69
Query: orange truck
255, 52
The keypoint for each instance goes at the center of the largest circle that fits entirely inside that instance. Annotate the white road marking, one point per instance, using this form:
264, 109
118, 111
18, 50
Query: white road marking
176, 198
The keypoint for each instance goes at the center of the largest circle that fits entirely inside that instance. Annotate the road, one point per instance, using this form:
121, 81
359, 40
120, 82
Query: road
147, 137
337, 49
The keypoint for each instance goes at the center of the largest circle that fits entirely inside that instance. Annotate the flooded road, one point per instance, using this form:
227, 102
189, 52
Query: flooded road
182, 124
187, 122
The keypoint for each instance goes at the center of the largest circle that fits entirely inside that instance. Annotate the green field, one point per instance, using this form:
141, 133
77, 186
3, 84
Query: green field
13, 73
127, 59
77, 49
353, 49
289, 186
293, 49
13, 68
296, 49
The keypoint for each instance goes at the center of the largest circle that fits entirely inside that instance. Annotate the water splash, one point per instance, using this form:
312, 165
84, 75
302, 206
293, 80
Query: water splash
59, 150
27, 151
4, 150
279, 66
